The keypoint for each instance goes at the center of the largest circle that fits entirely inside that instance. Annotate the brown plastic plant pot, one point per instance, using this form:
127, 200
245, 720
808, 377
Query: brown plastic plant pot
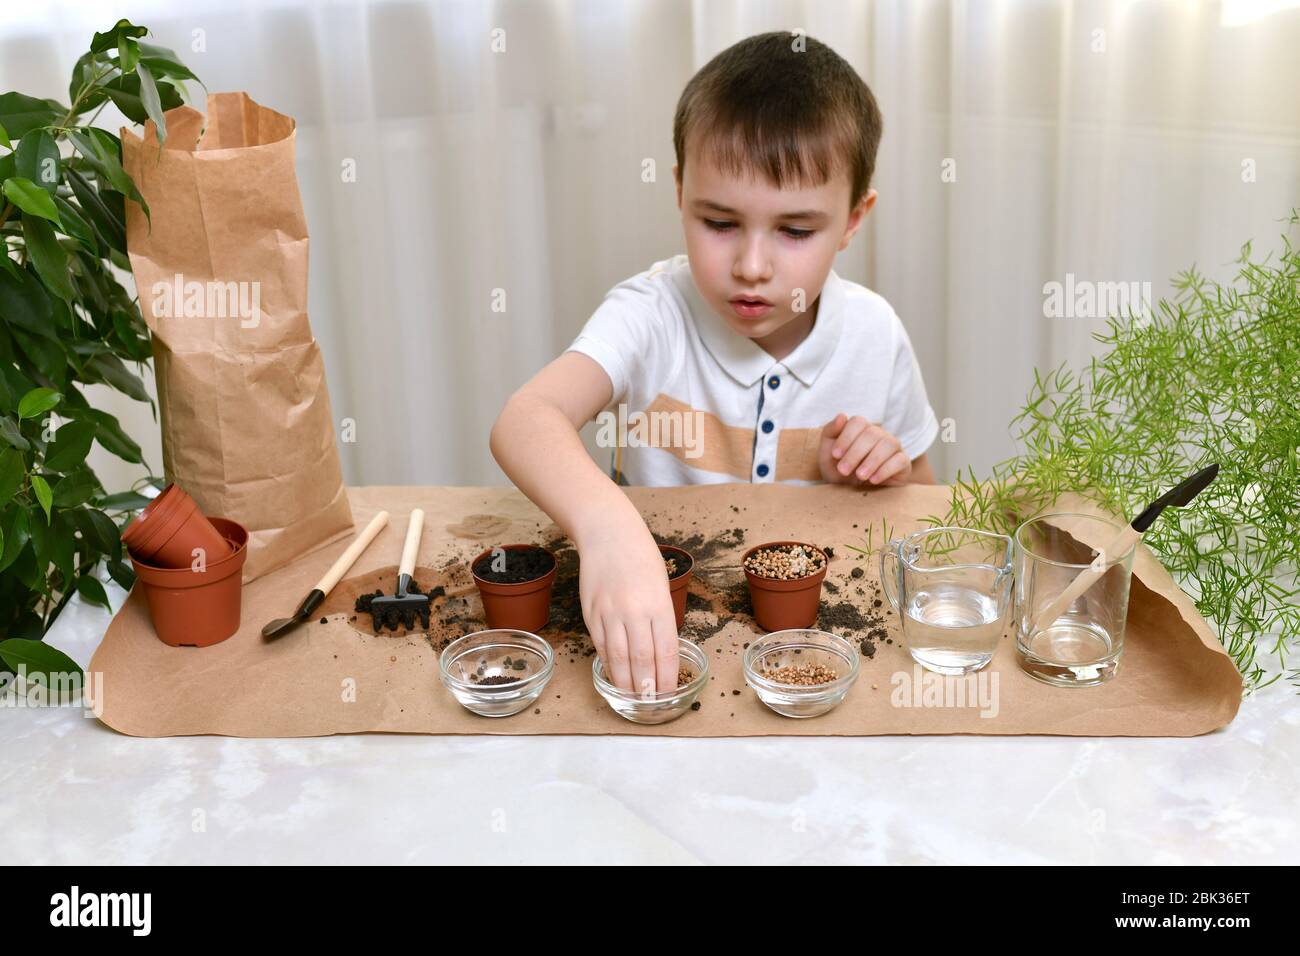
523, 606
192, 608
677, 586
780, 605
169, 529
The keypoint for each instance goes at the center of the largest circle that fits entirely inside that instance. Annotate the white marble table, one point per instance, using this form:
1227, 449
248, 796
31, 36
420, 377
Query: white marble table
76, 792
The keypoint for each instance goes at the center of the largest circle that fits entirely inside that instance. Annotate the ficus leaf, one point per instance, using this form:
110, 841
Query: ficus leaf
75, 488
21, 114
93, 591
152, 103
37, 159
111, 230
45, 497
128, 53
25, 303
103, 42
48, 257
37, 402
74, 226
12, 472
14, 525
70, 446
30, 198
9, 432
39, 660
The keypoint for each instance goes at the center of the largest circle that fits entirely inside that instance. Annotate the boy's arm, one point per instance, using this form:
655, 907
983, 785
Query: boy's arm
623, 585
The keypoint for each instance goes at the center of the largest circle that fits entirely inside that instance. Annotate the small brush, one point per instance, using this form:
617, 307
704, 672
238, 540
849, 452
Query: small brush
407, 604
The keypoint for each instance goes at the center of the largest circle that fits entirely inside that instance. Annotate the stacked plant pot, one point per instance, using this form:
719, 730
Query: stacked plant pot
190, 568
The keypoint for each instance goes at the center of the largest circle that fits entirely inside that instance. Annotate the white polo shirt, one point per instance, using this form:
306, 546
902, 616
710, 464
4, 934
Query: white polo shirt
696, 403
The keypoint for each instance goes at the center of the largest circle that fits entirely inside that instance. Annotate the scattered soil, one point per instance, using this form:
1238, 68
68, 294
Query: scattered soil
521, 565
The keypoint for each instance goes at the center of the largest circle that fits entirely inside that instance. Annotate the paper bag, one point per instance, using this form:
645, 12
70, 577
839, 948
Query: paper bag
221, 270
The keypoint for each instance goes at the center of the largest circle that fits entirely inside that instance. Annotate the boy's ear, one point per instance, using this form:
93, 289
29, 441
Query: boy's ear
856, 216
677, 178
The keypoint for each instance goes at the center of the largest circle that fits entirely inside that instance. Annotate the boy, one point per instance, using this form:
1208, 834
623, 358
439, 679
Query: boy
795, 374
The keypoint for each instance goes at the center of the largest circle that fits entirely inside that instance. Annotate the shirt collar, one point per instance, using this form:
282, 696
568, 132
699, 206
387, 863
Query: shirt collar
745, 361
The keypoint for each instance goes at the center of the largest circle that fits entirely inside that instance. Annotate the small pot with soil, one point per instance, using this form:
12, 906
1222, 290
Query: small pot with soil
515, 581
196, 607
785, 583
679, 564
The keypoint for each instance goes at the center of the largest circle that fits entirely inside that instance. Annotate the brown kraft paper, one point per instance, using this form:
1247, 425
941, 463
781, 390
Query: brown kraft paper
338, 677
221, 270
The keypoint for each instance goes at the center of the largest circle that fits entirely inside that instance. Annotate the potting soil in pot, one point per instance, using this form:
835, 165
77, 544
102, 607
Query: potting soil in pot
522, 565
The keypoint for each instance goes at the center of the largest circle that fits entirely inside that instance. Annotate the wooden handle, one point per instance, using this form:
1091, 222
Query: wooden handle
349, 557
412, 546
1084, 580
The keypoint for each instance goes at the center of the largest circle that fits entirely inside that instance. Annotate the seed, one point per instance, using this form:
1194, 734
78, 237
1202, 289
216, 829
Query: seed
802, 675
498, 679
684, 676
786, 563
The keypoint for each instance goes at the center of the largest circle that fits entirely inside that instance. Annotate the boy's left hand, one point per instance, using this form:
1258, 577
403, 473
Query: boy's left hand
855, 451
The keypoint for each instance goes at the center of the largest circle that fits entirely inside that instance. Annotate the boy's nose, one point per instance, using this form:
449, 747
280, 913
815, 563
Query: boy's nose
753, 264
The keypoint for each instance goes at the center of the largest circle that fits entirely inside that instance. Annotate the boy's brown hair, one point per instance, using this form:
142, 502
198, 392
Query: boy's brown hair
783, 106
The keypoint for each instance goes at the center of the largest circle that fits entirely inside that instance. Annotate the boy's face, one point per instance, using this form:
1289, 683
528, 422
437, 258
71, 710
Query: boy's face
744, 241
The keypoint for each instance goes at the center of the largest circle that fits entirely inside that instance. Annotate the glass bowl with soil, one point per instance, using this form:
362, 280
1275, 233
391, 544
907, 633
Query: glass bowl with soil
496, 673
801, 672
515, 582
658, 708
679, 564
785, 583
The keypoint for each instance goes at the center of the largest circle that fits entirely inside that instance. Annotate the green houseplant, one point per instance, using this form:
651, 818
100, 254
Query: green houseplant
65, 322
1212, 375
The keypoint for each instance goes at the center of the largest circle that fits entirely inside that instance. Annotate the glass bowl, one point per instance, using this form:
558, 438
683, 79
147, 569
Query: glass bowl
801, 646
656, 708
472, 668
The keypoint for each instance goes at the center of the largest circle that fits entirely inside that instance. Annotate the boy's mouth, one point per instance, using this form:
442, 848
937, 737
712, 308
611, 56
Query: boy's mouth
750, 306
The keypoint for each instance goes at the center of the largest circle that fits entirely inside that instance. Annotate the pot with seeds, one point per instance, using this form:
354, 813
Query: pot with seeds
679, 564
785, 583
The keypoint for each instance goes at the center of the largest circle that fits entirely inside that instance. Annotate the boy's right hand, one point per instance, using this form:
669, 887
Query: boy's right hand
628, 607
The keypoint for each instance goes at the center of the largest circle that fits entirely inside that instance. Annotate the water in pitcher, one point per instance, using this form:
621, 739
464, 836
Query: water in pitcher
952, 628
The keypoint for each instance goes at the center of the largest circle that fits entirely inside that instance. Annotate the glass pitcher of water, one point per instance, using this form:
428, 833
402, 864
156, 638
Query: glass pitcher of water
952, 590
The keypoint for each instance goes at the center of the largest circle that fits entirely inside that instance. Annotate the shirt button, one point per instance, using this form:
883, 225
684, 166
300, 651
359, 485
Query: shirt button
767, 427
762, 471
774, 381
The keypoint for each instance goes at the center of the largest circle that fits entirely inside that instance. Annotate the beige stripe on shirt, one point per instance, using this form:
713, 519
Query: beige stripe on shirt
729, 450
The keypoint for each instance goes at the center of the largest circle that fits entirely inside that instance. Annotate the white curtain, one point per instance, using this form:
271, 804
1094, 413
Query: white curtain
1024, 141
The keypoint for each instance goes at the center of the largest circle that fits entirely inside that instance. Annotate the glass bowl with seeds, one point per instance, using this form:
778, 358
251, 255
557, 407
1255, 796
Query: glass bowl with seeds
496, 673
661, 707
801, 672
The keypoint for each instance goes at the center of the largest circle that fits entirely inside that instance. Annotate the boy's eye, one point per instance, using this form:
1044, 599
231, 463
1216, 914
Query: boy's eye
723, 225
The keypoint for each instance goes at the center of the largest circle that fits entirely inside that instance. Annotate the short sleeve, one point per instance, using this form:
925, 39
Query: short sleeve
908, 415
628, 337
